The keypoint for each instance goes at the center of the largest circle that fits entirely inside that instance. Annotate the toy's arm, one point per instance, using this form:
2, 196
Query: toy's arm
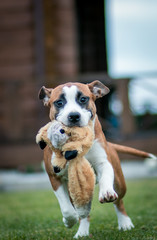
70, 146
59, 161
82, 140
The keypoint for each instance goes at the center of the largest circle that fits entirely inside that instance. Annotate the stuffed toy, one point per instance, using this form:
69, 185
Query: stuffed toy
76, 143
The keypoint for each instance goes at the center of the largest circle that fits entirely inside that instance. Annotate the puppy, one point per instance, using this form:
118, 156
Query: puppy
73, 104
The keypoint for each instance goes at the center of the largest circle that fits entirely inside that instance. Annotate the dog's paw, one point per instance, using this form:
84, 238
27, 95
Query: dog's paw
108, 195
57, 135
125, 223
83, 230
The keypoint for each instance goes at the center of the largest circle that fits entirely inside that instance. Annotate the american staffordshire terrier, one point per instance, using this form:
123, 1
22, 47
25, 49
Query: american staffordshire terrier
73, 104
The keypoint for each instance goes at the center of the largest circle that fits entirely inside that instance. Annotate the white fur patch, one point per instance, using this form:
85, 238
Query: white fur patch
124, 222
151, 162
83, 228
73, 106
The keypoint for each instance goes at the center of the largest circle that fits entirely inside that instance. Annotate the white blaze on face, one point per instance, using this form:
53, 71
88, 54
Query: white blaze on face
72, 106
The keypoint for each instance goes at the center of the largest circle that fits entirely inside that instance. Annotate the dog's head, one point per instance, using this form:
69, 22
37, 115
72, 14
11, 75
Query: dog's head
73, 104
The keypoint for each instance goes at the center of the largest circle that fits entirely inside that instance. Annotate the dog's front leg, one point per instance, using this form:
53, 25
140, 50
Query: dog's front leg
105, 174
83, 228
106, 181
70, 216
83, 213
59, 185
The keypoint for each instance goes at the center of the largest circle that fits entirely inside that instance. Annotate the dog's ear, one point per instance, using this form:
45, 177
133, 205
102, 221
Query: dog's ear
98, 89
44, 94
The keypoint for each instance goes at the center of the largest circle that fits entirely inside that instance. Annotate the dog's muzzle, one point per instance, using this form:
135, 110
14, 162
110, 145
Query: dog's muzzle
74, 117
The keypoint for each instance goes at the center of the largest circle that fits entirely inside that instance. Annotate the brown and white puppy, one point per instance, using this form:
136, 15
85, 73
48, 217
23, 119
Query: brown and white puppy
73, 104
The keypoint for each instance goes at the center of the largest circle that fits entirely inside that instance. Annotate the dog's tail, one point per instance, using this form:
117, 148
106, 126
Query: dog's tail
132, 151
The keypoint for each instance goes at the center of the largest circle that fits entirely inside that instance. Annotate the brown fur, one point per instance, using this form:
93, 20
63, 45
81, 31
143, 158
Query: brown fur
129, 150
55, 181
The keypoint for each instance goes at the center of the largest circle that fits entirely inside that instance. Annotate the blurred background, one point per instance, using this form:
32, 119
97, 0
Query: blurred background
49, 42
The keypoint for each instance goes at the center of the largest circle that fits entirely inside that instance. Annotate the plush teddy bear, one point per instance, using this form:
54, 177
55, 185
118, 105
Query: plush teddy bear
76, 143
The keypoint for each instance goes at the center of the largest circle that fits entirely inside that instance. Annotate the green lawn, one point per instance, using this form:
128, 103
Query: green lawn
36, 215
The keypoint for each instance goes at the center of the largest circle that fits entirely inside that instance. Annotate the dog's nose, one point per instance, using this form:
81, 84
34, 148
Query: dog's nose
74, 117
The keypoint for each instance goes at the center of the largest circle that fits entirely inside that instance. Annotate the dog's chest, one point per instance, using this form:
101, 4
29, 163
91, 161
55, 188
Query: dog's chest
96, 154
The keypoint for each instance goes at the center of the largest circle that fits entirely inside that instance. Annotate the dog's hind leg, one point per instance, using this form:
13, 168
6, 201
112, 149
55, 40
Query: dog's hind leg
83, 228
124, 222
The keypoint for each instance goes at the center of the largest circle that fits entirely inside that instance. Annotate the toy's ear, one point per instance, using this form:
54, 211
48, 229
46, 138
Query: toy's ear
42, 144
44, 94
98, 89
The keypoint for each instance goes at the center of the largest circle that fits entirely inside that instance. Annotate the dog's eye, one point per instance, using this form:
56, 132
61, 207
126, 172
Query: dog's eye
59, 103
84, 100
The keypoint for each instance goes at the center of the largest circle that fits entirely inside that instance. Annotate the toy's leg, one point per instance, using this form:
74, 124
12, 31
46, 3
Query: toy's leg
70, 216
124, 222
83, 211
83, 228
59, 162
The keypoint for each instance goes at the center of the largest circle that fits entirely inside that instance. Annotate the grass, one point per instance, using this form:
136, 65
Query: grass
36, 215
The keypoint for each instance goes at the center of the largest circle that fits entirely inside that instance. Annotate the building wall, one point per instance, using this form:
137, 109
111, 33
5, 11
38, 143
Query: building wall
38, 47
47, 42
60, 40
17, 69
19, 109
